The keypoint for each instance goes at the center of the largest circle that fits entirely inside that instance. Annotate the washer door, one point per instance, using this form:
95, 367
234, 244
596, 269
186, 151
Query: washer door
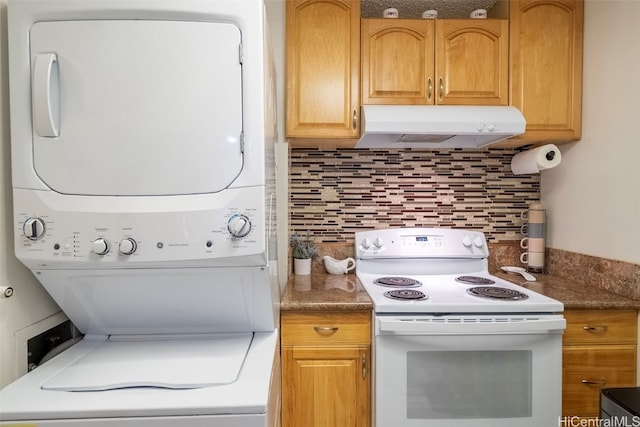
184, 362
136, 108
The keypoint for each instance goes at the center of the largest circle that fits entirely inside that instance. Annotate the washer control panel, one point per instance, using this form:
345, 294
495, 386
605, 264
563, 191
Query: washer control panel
192, 231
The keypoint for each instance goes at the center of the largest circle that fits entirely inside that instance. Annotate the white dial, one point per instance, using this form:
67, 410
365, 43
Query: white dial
366, 243
239, 225
378, 242
466, 241
34, 228
100, 246
127, 246
478, 242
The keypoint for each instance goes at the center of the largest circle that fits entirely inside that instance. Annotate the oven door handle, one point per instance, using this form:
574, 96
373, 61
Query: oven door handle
469, 325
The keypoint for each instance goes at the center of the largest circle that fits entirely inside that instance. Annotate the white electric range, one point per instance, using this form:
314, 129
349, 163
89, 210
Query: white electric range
453, 344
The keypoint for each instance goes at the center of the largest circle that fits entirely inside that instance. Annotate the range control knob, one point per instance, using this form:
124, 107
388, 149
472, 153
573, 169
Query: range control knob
100, 246
127, 246
366, 243
478, 242
466, 241
239, 225
34, 228
378, 242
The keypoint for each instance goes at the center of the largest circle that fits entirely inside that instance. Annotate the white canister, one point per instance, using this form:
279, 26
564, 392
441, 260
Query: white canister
390, 13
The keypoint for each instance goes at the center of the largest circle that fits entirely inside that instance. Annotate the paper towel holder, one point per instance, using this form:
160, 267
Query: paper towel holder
536, 160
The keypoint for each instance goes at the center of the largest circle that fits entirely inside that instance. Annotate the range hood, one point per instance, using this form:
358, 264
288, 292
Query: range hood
442, 126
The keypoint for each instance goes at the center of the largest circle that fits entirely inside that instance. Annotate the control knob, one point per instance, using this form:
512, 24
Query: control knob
34, 228
478, 242
378, 242
466, 241
127, 246
100, 246
366, 243
239, 225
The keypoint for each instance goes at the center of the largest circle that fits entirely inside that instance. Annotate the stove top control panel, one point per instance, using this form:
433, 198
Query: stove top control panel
421, 243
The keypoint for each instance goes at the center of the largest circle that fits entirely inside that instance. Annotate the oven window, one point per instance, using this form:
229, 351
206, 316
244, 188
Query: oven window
469, 384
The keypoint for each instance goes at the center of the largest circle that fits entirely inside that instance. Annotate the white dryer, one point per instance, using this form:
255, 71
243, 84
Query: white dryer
142, 136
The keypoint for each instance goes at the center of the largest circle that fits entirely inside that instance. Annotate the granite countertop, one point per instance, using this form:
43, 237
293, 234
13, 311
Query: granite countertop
321, 291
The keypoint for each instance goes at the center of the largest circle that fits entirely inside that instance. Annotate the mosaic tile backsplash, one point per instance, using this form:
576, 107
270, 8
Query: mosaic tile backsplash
334, 193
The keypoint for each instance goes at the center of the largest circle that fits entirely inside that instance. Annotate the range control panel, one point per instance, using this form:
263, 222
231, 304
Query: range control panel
421, 243
193, 230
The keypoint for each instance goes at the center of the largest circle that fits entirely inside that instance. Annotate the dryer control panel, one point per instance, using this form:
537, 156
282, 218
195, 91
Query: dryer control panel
56, 230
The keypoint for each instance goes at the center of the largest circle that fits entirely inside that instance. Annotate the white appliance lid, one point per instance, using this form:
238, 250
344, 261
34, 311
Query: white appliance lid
123, 362
129, 103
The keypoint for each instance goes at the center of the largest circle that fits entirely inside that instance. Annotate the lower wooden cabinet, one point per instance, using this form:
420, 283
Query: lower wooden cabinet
599, 351
326, 369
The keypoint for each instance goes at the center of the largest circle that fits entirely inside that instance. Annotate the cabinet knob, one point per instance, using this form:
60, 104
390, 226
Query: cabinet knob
429, 89
441, 94
355, 119
601, 381
600, 328
326, 330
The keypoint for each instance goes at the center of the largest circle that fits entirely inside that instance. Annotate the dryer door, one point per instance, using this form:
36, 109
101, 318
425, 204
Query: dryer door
136, 107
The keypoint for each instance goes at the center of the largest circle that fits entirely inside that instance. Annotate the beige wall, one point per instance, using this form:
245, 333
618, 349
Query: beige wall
592, 198
276, 22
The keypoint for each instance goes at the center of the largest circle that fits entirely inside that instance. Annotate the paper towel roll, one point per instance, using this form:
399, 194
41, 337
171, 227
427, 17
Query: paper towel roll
535, 160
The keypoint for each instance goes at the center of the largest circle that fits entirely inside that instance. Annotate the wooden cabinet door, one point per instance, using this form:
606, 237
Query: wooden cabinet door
325, 386
546, 44
454, 62
472, 62
322, 68
397, 61
586, 370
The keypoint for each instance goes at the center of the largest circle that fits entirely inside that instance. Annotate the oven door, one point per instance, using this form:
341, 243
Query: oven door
471, 371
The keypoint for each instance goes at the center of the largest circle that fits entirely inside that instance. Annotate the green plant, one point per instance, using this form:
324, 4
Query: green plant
303, 246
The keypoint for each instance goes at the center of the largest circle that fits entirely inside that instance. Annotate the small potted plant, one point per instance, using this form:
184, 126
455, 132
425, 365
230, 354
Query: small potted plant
303, 248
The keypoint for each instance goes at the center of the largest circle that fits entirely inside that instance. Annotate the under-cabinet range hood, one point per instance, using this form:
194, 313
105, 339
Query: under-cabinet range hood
443, 126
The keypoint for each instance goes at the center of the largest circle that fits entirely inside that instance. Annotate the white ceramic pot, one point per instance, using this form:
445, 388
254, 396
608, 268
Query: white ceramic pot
334, 266
302, 266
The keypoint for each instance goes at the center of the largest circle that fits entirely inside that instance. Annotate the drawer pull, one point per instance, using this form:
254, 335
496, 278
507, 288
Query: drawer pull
601, 381
326, 330
601, 328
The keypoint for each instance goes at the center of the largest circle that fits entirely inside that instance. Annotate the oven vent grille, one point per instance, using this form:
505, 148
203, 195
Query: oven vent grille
458, 320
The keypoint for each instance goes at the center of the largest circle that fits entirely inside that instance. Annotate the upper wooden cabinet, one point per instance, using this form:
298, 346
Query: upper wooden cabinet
546, 40
445, 62
323, 68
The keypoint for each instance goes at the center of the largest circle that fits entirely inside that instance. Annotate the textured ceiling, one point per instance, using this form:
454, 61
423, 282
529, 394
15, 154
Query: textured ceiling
411, 9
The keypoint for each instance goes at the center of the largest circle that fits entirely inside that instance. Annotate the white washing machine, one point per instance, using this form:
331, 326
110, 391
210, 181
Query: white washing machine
142, 136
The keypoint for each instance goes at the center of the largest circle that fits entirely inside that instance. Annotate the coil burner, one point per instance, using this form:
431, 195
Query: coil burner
475, 280
397, 282
406, 294
496, 293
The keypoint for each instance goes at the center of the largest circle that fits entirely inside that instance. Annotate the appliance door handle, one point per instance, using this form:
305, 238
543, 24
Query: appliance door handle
467, 326
45, 95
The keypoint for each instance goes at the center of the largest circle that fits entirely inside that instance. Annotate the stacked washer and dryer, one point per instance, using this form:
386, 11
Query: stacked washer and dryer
142, 150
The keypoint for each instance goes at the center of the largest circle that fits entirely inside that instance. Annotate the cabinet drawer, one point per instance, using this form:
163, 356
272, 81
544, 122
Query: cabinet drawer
600, 327
326, 328
587, 370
